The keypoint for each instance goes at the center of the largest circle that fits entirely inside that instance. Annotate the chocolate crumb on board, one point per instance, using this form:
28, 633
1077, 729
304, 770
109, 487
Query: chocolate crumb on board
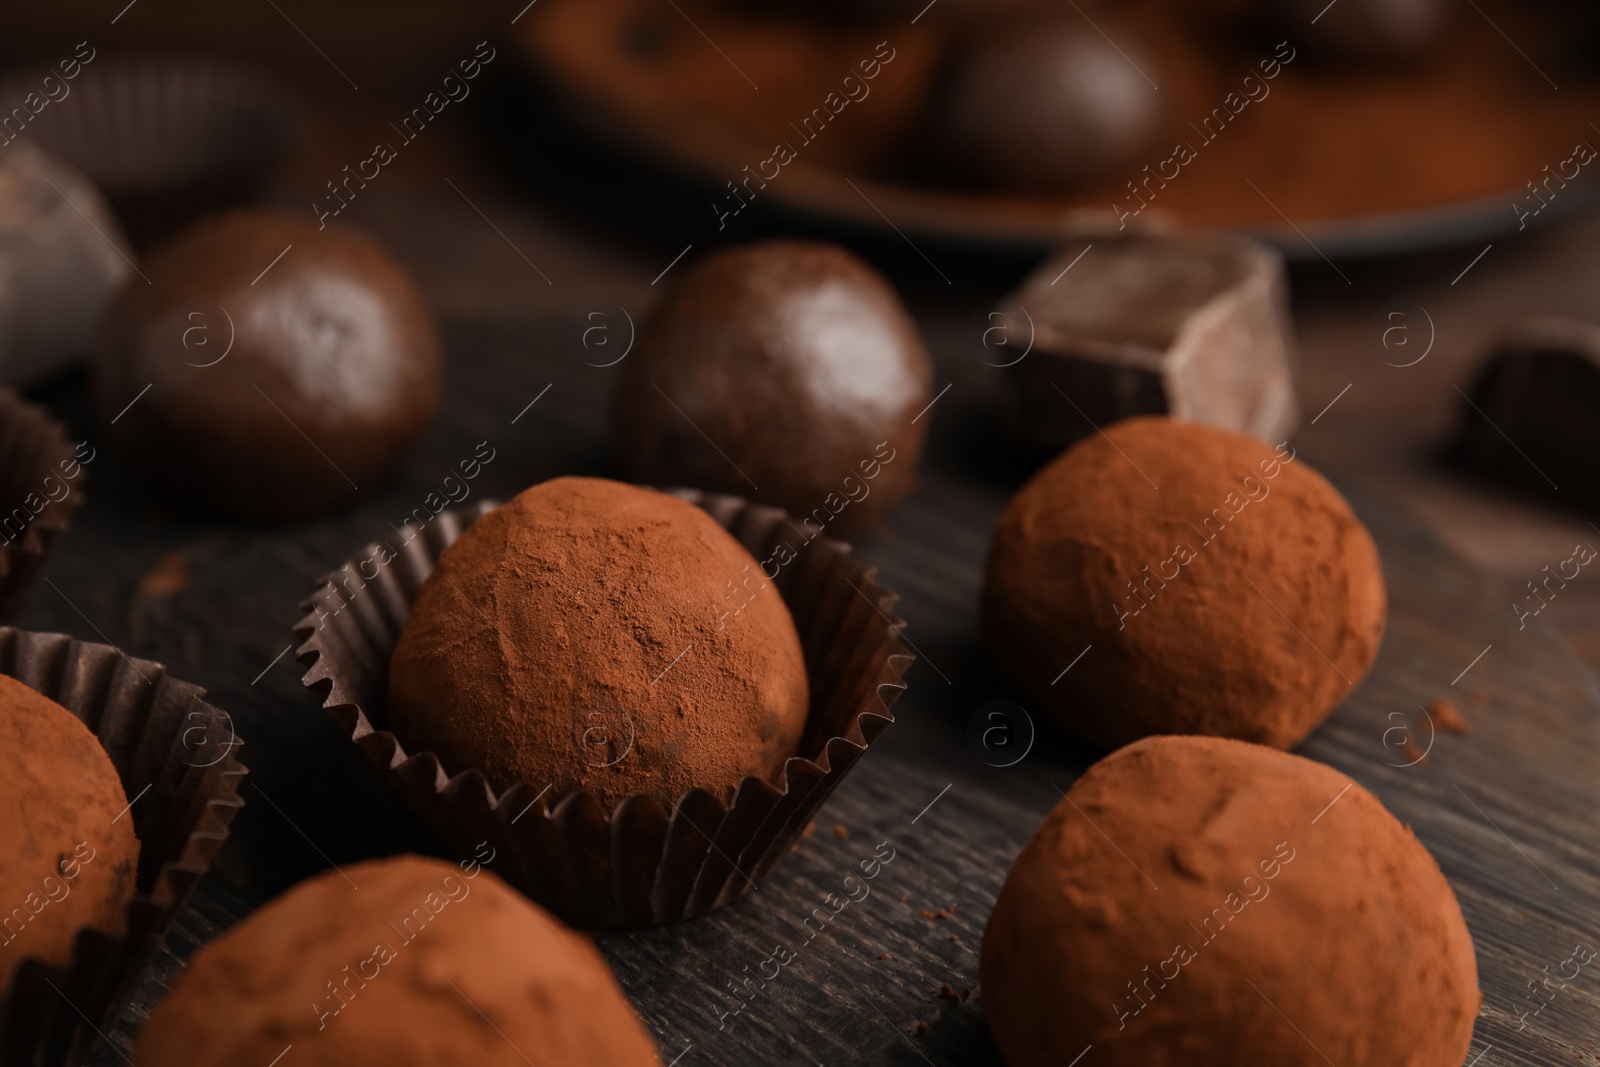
1449, 716
949, 993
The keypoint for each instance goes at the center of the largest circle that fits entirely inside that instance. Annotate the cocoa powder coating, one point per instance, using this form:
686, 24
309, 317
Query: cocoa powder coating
1220, 585
591, 635
785, 371
426, 963
1256, 907
68, 854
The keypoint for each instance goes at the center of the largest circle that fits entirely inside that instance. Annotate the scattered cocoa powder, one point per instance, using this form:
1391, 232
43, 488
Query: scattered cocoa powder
583, 635
1449, 716
168, 577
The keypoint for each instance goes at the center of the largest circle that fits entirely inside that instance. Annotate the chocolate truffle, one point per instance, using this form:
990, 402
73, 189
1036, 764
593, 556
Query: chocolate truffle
62, 258
425, 963
288, 367
1219, 586
68, 854
591, 635
784, 371
1366, 30
1044, 103
1201, 901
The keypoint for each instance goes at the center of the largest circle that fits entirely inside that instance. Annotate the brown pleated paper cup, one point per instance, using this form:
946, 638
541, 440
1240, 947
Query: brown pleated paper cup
642, 866
167, 140
41, 488
177, 757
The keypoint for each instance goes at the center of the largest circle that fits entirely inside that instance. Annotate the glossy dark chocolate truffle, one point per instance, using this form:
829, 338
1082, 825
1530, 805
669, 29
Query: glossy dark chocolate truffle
783, 371
1381, 30
1207, 902
1044, 103
288, 367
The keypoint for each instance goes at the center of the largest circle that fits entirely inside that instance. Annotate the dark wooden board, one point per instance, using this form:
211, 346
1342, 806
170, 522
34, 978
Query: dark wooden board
1511, 811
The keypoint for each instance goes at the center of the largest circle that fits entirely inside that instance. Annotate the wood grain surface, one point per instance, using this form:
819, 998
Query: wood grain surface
1510, 810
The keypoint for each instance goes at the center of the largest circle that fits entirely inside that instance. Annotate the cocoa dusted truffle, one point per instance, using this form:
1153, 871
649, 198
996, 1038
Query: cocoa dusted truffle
1256, 907
288, 367
1211, 583
405, 962
1042, 103
591, 635
68, 854
783, 371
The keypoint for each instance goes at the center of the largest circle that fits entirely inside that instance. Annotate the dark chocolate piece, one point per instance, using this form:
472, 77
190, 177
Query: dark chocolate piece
1532, 418
1195, 326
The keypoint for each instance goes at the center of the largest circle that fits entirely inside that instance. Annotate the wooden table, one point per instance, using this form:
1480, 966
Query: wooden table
1510, 811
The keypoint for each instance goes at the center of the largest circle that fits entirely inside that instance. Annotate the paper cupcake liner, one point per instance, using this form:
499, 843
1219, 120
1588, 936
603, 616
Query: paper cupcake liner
177, 757
167, 140
643, 866
35, 454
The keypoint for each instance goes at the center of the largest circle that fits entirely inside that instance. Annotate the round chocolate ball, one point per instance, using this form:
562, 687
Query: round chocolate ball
591, 635
1219, 585
404, 962
68, 854
268, 368
1370, 30
1041, 104
1255, 907
783, 371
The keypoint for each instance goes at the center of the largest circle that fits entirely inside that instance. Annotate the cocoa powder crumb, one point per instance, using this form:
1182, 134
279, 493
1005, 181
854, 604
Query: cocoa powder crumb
1449, 716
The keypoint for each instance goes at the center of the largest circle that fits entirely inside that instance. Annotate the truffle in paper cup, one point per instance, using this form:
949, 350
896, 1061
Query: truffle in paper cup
638, 865
41, 488
177, 757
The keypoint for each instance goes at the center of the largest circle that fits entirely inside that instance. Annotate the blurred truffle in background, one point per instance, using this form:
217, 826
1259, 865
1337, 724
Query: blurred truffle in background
1363, 30
785, 371
288, 366
1044, 102
61, 260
